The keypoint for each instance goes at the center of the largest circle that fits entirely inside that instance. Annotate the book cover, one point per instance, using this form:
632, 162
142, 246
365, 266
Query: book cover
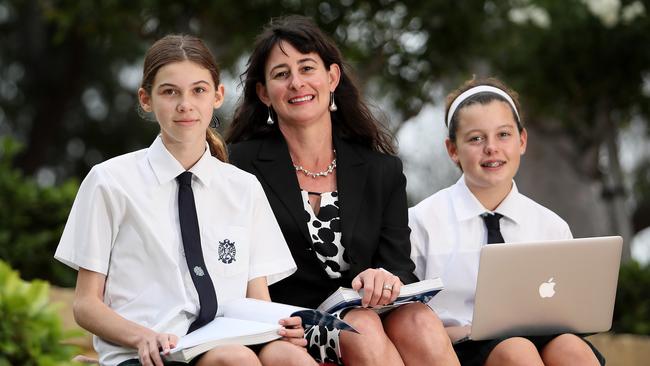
421, 291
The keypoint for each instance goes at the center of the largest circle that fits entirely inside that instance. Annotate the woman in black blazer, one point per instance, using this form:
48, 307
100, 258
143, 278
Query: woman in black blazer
338, 192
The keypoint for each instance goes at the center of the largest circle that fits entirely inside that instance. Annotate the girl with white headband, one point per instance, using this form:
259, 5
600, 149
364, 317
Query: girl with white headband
486, 140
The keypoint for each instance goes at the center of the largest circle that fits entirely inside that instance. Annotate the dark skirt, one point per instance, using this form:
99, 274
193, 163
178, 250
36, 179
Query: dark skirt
475, 353
136, 362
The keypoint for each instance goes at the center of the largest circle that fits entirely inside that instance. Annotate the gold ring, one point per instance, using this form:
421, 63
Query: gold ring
388, 287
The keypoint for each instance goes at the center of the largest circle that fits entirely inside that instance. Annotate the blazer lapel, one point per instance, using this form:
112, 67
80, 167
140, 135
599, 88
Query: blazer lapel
274, 164
351, 175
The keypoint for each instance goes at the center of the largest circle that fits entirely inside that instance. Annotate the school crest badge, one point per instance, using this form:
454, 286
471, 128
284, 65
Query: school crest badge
227, 251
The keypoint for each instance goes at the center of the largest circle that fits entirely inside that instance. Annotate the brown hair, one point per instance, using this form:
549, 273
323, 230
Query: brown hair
178, 48
481, 98
353, 119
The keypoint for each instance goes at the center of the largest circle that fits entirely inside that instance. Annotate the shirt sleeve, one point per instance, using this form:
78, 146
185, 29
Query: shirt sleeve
270, 255
566, 231
89, 232
418, 244
394, 248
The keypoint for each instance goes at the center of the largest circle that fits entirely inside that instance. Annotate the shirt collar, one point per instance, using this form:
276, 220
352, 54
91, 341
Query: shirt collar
512, 206
167, 168
467, 206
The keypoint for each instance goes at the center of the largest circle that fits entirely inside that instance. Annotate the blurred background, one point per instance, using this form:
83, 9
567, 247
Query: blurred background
69, 72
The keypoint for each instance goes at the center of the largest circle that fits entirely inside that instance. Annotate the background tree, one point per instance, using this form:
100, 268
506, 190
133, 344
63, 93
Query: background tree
69, 67
580, 66
69, 71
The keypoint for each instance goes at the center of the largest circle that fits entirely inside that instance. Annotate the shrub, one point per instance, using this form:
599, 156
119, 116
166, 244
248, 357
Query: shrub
31, 330
632, 310
32, 220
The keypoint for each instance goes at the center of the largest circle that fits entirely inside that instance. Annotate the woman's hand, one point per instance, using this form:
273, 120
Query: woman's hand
293, 331
150, 346
379, 286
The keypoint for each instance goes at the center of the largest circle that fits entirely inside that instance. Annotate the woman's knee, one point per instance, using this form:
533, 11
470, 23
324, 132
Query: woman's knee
231, 355
365, 321
415, 321
568, 349
416, 330
514, 351
285, 353
370, 341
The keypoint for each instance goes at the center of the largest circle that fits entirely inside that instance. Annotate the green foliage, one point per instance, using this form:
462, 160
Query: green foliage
83, 95
632, 310
574, 65
32, 220
30, 331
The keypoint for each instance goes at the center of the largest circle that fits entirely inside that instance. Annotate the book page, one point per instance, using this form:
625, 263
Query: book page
421, 286
257, 310
247, 321
223, 328
421, 291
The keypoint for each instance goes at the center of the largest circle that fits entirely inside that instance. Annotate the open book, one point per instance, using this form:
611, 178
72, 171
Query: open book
421, 291
246, 321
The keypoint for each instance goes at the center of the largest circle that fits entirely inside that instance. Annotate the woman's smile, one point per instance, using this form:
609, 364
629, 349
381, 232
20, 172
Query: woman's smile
301, 99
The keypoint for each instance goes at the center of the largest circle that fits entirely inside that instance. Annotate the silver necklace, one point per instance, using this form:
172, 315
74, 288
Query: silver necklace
324, 173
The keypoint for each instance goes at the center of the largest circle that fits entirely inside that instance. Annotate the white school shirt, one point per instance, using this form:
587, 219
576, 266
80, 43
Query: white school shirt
124, 224
447, 234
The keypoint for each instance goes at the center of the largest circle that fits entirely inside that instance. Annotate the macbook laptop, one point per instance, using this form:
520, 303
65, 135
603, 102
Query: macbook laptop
542, 288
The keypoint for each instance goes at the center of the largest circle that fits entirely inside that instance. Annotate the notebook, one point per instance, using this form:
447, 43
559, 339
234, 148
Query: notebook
543, 288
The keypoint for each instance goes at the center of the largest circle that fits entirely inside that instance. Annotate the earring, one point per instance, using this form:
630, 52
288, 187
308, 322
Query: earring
215, 122
270, 120
333, 107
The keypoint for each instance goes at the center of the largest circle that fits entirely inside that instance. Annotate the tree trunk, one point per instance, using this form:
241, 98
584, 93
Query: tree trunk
53, 98
548, 177
615, 192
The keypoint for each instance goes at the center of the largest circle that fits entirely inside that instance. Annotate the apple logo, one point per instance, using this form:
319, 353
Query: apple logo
547, 289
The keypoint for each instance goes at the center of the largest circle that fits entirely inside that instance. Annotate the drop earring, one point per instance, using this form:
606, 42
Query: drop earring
333, 107
270, 120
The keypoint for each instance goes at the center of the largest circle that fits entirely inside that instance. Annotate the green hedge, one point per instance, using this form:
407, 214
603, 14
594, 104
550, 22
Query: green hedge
632, 310
30, 330
32, 220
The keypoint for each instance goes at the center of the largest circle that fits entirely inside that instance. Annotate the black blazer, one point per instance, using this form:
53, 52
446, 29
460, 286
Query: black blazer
372, 206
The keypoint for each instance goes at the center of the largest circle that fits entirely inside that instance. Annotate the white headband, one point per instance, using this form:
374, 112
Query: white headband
475, 90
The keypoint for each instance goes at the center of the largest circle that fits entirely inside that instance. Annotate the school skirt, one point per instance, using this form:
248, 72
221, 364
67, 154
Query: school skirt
475, 353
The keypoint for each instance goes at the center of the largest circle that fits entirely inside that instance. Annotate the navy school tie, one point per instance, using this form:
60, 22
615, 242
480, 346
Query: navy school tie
493, 228
194, 253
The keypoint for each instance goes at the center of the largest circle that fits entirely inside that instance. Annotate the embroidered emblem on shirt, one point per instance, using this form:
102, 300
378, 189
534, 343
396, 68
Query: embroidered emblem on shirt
199, 271
227, 251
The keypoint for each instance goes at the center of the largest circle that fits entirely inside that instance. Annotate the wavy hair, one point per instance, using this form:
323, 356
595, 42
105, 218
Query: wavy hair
353, 119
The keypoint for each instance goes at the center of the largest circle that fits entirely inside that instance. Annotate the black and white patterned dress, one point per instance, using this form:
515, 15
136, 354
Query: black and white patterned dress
325, 231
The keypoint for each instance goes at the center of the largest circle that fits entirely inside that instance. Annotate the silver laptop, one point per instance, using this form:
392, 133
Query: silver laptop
543, 288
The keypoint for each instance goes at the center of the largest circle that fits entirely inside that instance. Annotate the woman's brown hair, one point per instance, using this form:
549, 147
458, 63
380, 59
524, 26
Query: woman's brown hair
177, 48
353, 119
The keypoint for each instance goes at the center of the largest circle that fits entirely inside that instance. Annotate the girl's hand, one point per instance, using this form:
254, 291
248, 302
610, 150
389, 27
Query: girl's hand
379, 286
150, 346
293, 331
